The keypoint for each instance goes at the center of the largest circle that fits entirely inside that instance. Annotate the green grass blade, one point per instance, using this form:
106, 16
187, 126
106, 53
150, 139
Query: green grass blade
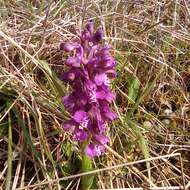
134, 85
55, 84
10, 156
142, 143
27, 137
149, 86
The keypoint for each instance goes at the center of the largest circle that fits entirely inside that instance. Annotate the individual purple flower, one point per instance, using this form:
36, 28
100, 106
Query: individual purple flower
93, 150
90, 70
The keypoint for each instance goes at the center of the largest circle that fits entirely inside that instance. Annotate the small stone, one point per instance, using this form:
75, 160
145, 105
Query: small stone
168, 111
147, 124
166, 121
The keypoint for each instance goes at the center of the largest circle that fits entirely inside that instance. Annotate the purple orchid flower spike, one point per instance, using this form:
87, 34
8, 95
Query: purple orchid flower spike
90, 70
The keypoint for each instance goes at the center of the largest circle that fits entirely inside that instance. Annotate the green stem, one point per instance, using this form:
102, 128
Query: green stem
86, 180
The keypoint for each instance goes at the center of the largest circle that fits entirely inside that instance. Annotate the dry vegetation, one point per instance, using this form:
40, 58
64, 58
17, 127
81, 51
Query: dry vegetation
151, 43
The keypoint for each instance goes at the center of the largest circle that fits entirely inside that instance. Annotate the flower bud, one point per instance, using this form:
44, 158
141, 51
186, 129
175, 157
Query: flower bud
98, 35
68, 46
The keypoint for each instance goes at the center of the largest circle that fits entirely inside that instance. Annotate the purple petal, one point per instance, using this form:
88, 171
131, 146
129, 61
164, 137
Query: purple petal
89, 85
94, 113
80, 52
86, 35
69, 126
94, 150
108, 113
102, 139
98, 35
80, 116
82, 98
68, 76
101, 126
90, 27
68, 46
75, 101
93, 49
111, 115
101, 79
110, 96
105, 49
105, 94
92, 62
97, 124
80, 135
108, 62
90, 88
101, 94
73, 61
69, 101
91, 65
90, 150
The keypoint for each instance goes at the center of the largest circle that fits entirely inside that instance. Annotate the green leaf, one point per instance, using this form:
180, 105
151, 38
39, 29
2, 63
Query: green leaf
144, 148
10, 154
67, 148
55, 84
3, 128
134, 85
142, 143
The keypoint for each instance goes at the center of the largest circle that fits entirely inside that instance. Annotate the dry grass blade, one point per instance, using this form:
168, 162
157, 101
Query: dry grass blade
101, 170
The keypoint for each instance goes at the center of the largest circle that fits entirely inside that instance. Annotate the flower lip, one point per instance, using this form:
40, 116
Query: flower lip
90, 150
93, 150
